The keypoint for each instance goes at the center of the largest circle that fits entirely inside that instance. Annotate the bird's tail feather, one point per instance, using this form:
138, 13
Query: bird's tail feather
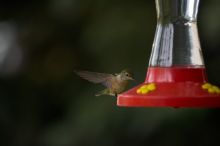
103, 92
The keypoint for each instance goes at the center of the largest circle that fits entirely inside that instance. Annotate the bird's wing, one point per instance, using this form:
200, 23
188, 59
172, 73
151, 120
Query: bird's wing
95, 77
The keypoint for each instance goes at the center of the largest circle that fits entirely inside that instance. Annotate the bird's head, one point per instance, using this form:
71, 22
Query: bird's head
126, 75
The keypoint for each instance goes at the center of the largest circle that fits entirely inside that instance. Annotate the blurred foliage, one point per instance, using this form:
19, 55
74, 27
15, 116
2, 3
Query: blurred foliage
43, 103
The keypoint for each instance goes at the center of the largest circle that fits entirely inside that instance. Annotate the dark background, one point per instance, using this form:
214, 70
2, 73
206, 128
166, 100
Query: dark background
43, 103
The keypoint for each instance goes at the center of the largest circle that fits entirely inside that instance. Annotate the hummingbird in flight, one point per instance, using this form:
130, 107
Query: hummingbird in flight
114, 83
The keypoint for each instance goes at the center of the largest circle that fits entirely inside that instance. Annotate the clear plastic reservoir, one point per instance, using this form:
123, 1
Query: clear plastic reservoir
176, 42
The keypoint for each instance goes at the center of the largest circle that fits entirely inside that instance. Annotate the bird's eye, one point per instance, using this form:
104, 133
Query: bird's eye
127, 74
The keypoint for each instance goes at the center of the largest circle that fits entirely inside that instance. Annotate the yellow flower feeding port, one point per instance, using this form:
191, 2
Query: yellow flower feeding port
146, 88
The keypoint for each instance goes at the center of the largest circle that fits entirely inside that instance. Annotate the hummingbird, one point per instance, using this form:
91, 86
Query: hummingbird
114, 83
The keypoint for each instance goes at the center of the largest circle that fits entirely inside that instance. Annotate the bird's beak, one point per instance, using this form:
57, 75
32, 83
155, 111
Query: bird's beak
132, 79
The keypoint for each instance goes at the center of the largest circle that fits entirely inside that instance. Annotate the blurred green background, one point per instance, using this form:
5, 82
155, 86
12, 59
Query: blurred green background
43, 103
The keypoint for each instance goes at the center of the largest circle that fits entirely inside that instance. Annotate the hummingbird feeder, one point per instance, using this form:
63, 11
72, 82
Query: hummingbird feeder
176, 76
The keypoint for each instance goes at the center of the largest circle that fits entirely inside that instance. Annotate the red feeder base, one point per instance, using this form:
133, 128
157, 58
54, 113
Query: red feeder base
172, 87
